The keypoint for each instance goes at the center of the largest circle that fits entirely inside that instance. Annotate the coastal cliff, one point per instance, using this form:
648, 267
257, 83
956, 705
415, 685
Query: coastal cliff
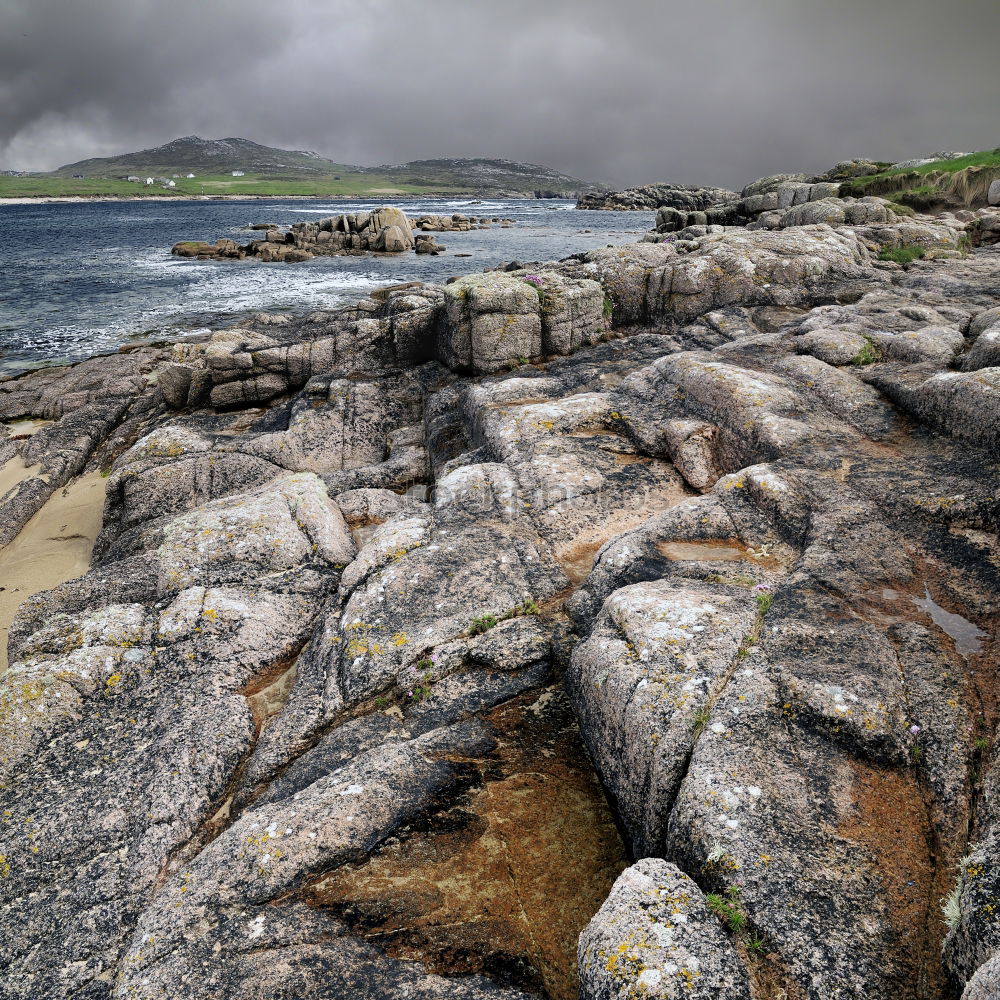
624, 624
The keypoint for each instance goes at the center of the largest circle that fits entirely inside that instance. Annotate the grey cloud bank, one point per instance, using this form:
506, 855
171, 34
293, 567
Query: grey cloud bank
632, 92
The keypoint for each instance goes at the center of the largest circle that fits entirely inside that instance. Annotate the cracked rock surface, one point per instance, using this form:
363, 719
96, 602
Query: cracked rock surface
622, 628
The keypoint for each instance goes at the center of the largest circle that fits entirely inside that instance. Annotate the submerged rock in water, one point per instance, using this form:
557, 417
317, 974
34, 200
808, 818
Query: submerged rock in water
303, 728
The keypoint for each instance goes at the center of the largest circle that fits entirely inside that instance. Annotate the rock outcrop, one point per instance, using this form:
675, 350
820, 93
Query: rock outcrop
684, 197
457, 223
722, 510
386, 230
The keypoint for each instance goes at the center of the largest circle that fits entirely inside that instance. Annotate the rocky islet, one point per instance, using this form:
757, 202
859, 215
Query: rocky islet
384, 230
368, 580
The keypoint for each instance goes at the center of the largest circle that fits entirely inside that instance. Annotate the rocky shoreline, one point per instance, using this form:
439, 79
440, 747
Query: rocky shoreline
720, 507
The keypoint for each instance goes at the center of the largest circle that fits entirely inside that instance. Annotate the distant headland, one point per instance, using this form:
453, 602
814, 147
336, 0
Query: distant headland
192, 167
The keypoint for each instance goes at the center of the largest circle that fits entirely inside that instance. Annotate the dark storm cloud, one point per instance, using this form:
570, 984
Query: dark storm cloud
627, 91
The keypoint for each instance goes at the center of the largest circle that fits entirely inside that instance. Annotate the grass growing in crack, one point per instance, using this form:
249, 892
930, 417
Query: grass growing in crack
868, 354
902, 255
754, 944
916, 753
951, 907
422, 681
483, 624
608, 308
701, 718
981, 743
764, 598
728, 908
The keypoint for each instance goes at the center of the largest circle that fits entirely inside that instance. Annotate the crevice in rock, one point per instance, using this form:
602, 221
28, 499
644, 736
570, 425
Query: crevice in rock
503, 877
266, 694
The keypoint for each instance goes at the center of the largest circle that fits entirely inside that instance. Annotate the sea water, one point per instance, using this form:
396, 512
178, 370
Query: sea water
79, 279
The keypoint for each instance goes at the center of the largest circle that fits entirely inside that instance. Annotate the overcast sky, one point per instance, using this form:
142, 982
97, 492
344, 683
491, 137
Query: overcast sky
621, 91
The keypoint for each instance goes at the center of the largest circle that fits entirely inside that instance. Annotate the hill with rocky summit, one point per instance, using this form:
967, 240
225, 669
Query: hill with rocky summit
213, 157
210, 156
621, 626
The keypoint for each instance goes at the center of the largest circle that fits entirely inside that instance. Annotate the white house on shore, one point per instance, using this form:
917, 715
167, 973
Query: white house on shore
238, 173
149, 180
189, 176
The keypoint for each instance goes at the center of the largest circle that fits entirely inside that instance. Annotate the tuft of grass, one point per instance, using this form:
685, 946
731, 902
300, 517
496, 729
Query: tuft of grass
482, 624
420, 692
754, 944
951, 907
608, 308
916, 753
867, 355
701, 718
902, 255
420, 689
728, 908
485, 622
907, 208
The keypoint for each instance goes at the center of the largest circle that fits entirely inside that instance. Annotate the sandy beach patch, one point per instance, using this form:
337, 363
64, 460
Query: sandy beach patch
53, 547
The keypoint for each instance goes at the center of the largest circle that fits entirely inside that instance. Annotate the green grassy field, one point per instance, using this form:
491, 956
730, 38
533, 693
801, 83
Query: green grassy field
252, 185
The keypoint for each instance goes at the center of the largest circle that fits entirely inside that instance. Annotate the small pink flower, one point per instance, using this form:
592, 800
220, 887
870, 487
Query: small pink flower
914, 730
762, 587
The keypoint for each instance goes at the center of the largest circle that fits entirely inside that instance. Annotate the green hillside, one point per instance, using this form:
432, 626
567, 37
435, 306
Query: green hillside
269, 171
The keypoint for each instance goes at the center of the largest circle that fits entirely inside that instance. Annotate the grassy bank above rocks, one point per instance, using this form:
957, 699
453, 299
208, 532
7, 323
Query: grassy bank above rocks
961, 182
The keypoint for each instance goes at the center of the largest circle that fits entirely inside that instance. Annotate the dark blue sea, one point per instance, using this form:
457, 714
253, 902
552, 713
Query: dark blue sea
81, 279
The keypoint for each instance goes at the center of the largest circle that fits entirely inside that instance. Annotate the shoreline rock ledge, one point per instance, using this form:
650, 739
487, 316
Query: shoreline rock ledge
625, 628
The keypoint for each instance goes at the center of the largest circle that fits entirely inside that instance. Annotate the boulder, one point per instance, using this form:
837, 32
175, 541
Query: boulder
768, 185
392, 239
656, 937
835, 347
492, 320
656, 659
